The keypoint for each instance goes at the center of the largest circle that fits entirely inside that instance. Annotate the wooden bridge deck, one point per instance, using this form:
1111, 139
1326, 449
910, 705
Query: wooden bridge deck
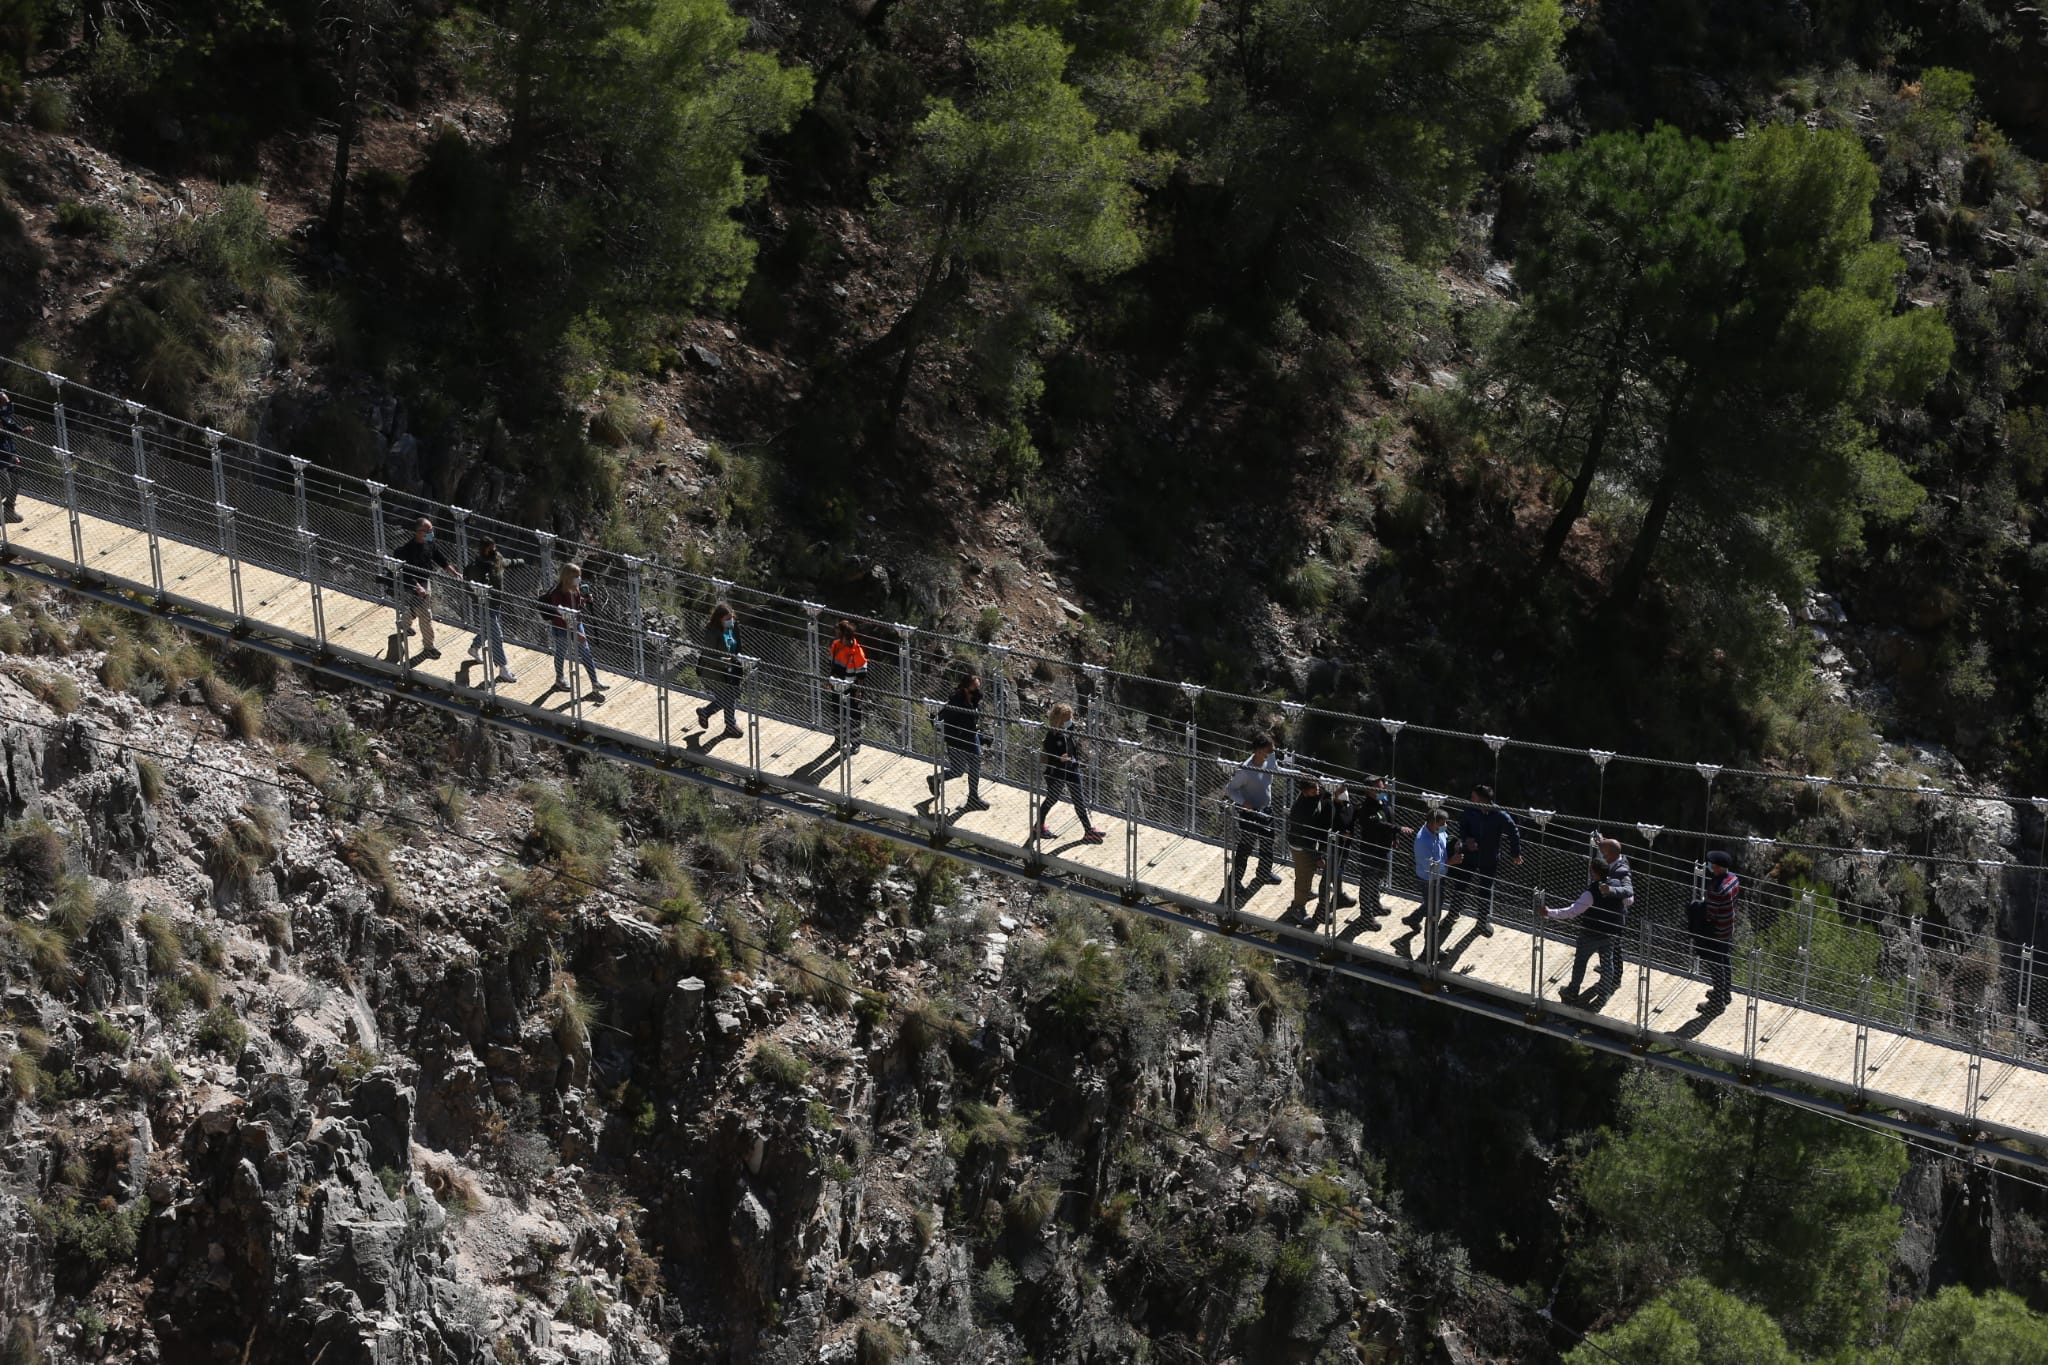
1918, 1076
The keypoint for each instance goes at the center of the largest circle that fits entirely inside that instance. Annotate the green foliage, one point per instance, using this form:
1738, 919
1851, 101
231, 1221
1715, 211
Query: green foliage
1956, 1327
1713, 323
1790, 1210
88, 1235
1693, 1323
773, 1064
221, 1030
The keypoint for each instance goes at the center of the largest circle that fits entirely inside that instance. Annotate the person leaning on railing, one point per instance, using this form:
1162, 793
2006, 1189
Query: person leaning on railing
1713, 928
10, 458
1308, 837
1604, 904
1434, 857
723, 669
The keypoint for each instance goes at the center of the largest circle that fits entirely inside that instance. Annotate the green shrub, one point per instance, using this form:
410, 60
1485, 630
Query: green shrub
877, 1343
36, 853
166, 946
221, 1030
776, 1065
49, 108
87, 220
93, 1235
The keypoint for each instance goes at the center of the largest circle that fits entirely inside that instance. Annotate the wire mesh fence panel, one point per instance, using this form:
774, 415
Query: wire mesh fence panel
1154, 752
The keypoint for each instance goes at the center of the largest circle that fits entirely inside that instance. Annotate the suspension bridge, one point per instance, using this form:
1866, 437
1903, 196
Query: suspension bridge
1907, 1024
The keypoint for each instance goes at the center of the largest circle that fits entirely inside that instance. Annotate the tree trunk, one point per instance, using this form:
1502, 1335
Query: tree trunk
1582, 484
345, 135
1628, 584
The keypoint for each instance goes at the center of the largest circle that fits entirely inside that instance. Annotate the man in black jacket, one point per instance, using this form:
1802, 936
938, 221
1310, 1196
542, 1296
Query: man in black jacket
960, 729
1308, 837
1367, 832
1485, 830
422, 558
1604, 905
10, 458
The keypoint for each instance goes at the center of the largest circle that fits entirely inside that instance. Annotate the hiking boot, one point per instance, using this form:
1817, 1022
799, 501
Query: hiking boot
430, 653
734, 732
975, 803
1345, 902
1267, 878
15, 516
594, 697
1043, 832
1486, 927
931, 783
1093, 836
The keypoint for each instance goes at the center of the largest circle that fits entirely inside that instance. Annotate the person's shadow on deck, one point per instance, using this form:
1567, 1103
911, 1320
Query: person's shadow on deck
814, 771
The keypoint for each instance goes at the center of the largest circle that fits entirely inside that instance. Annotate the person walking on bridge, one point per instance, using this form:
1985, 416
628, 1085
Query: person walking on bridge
1434, 858
10, 458
1482, 830
1308, 839
566, 596
1250, 792
960, 730
1369, 837
487, 573
1061, 751
723, 669
849, 669
1714, 937
1604, 907
422, 558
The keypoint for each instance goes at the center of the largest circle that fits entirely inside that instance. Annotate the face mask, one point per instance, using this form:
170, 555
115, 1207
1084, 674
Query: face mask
429, 538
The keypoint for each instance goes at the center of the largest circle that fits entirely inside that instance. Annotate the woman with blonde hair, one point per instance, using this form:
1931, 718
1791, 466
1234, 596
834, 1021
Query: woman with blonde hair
568, 595
1062, 753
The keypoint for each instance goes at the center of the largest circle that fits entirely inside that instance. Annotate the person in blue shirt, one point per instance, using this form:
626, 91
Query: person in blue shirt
1434, 858
1483, 831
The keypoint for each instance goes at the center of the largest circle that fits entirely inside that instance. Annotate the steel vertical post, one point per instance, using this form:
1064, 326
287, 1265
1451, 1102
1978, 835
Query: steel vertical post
1749, 1022
660, 641
1393, 729
2025, 1003
57, 415
220, 474
1193, 691
309, 553
1131, 824
572, 617
1862, 1052
1098, 695
813, 679
376, 492
1805, 941
633, 565
225, 515
1537, 940
135, 440
905, 667
69, 464
145, 494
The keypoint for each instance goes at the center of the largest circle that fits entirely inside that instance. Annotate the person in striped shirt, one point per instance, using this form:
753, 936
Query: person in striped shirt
1717, 941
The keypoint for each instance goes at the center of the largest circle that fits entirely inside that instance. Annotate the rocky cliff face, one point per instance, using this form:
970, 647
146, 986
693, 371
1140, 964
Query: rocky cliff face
360, 1038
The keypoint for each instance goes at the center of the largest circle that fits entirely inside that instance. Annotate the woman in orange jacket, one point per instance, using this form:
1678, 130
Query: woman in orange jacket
849, 666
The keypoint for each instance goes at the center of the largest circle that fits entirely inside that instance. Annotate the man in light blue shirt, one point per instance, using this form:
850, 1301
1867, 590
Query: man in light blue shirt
1434, 858
1250, 791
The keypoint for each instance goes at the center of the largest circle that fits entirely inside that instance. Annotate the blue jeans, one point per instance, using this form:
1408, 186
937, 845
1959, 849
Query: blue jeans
561, 637
493, 635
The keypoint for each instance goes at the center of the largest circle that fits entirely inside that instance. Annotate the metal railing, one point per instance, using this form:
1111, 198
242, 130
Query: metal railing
1157, 756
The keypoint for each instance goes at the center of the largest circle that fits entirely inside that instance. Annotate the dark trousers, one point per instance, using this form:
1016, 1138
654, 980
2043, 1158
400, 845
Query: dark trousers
10, 484
1254, 827
853, 715
1605, 946
724, 693
1469, 890
1717, 956
1068, 785
964, 758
